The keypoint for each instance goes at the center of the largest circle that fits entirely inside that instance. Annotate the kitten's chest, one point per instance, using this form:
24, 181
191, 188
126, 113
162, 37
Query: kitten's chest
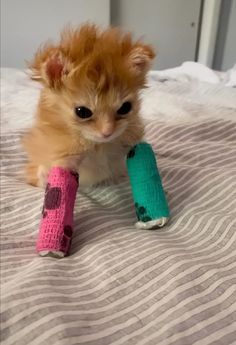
107, 156
107, 161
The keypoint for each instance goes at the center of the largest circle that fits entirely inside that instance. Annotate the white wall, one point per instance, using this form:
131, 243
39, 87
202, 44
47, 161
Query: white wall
164, 23
170, 25
27, 23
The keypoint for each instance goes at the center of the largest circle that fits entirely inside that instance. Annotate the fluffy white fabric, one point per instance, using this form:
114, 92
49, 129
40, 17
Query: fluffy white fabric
189, 93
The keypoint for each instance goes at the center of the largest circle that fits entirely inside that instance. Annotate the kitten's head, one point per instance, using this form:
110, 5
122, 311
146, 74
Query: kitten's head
91, 81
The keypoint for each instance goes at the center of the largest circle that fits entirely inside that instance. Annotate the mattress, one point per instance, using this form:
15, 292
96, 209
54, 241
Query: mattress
121, 285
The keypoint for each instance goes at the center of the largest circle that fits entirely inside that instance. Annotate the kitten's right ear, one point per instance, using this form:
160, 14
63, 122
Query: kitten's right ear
140, 57
49, 66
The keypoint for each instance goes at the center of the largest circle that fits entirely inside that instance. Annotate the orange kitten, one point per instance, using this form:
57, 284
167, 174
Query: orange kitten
88, 111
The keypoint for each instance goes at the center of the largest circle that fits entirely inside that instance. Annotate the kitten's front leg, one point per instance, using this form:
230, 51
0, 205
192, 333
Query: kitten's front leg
71, 162
37, 175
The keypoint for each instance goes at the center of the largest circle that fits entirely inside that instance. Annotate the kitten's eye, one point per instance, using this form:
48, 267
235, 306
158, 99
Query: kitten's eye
83, 112
125, 108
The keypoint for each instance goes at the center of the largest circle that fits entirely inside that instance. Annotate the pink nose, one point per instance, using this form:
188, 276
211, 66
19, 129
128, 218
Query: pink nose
107, 134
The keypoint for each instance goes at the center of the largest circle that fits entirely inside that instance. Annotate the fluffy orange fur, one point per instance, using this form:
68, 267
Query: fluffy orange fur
99, 70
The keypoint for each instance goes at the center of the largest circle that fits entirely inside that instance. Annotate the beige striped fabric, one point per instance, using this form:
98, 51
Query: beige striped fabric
120, 285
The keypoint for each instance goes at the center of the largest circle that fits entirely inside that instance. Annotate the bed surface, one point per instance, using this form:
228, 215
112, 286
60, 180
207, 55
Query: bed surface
120, 285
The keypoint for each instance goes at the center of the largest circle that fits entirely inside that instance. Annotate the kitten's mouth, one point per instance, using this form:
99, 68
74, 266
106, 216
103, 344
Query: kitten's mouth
102, 138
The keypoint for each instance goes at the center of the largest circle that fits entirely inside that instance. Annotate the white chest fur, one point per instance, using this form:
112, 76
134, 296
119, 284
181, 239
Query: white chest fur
106, 163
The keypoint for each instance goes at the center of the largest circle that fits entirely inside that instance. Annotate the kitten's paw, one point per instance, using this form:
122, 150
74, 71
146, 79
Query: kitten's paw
152, 224
42, 175
52, 254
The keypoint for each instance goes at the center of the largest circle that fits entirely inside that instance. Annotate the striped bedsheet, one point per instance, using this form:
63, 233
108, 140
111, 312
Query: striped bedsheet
120, 285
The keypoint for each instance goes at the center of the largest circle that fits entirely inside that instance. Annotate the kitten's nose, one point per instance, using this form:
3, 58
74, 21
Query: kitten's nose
107, 133
107, 128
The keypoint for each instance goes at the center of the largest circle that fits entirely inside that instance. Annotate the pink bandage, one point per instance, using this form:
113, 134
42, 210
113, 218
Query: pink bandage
56, 226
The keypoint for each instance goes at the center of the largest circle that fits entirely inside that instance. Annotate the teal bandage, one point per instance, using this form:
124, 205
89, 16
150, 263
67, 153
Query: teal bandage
149, 197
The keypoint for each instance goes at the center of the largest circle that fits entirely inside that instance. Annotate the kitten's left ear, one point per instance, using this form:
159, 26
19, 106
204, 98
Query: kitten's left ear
140, 58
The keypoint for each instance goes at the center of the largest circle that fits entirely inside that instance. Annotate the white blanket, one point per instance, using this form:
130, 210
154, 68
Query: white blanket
120, 285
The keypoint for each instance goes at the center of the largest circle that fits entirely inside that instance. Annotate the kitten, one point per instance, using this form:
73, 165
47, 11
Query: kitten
88, 112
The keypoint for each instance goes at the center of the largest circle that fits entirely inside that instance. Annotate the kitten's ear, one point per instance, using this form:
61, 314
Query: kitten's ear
140, 58
50, 66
